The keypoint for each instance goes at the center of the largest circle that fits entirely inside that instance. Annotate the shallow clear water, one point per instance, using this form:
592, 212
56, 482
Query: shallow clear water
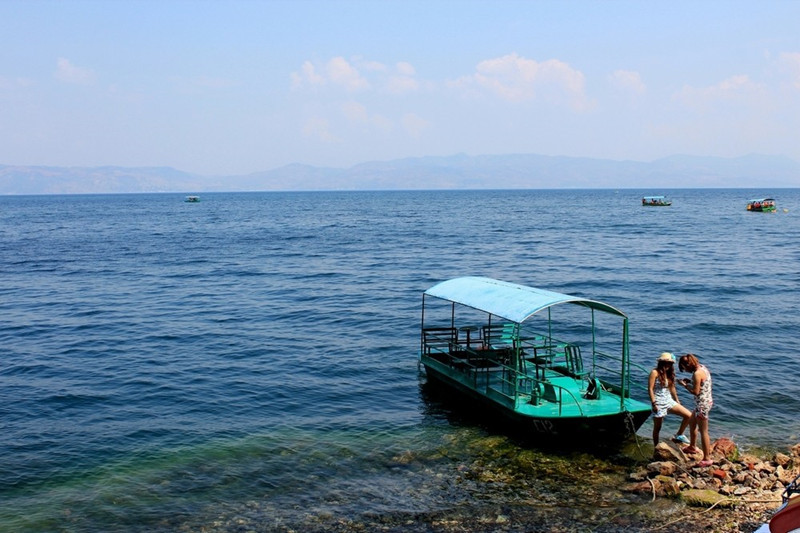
169, 364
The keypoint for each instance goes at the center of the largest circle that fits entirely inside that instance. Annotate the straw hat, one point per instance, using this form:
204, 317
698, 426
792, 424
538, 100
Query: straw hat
666, 356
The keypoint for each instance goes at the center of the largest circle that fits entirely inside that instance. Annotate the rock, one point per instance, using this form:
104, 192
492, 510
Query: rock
640, 487
705, 498
781, 459
796, 450
725, 447
752, 483
662, 468
731, 480
668, 451
748, 459
639, 475
694, 456
726, 490
668, 486
765, 467
784, 476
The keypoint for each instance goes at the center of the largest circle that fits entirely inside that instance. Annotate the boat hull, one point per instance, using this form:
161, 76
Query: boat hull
787, 518
606, 428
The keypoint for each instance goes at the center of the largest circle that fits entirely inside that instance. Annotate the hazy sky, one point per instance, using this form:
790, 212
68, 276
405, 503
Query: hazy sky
232, 87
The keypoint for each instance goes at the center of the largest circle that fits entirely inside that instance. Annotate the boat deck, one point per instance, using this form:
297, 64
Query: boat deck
543, 388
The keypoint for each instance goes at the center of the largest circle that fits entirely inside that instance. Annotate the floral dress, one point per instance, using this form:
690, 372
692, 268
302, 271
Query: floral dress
704, 401
664, 401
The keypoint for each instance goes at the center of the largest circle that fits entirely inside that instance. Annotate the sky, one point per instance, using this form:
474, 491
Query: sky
234, 87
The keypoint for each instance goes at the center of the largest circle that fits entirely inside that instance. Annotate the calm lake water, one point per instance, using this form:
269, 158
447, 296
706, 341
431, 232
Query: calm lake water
250, 361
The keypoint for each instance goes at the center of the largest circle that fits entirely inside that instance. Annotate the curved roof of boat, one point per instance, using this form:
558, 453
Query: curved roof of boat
510, 301
762, 200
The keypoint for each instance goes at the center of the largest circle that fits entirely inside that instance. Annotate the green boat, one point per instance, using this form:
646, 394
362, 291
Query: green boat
500, 344
763, 205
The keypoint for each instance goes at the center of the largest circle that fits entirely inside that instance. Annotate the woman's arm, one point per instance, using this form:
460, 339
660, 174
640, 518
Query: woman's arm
651, 386
697, 381
674, 392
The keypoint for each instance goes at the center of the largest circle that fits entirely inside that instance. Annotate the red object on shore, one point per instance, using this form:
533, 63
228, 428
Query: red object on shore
787, 518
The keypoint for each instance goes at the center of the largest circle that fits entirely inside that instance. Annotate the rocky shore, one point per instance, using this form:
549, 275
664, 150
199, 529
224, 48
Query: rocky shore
747, 487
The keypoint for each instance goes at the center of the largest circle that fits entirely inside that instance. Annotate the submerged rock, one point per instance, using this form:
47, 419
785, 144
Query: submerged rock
706, 498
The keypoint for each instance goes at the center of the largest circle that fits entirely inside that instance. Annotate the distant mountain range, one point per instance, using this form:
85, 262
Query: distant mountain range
519, 171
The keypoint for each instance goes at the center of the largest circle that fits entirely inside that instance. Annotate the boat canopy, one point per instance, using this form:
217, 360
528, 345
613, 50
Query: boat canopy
754, 200
655, 197
510, 301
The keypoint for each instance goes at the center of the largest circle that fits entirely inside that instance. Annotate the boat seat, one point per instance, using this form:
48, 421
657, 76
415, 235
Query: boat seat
549, 393
441, 339
574, 359
498, 336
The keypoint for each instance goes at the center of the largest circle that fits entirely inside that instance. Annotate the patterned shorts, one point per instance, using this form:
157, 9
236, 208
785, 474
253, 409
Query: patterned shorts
663, 405
701, 410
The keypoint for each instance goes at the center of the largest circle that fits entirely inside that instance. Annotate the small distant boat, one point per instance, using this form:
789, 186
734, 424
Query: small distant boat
656, 201
474, 342
764, 205
192, 199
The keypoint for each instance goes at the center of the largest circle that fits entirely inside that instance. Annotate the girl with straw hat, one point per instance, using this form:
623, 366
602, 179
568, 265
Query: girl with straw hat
664, 397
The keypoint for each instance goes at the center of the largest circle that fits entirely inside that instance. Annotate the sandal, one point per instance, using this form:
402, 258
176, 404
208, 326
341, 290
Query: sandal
680, 439
705, 462
690, 449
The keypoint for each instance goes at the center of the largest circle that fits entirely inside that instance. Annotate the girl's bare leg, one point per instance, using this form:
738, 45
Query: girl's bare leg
656, 429
685, 413
705, 438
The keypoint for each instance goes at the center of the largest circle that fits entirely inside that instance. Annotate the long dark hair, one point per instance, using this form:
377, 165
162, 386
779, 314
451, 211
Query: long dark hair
688, 362
666, 373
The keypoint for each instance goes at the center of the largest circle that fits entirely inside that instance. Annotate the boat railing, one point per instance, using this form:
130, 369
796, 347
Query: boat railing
519, 383
614, 377
556, 354
512, 382
549, 352
442, 345
437, 338
534, 390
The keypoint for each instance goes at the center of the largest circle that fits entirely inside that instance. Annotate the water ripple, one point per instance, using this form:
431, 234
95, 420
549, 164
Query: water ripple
264, 345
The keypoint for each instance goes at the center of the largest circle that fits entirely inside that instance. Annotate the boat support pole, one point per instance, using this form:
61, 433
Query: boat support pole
625, 364
421, 333
594, 344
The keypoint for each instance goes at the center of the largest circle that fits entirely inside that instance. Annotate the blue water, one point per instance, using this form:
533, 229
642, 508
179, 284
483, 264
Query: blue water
250, 360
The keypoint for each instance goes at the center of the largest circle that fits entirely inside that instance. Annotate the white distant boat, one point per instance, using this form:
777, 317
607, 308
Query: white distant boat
656, 201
